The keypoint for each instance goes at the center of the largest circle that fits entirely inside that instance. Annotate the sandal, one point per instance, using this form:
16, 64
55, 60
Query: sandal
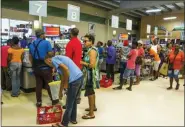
87, 109
87, 116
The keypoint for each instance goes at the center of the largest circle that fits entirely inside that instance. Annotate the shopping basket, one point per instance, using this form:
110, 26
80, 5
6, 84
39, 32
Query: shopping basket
49, 114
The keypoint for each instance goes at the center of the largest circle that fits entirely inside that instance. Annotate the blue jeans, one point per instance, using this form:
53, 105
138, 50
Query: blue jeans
71, 104
122, 68
15, 69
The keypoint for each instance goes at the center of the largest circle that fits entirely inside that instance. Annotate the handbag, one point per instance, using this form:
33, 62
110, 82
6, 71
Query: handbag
164, 69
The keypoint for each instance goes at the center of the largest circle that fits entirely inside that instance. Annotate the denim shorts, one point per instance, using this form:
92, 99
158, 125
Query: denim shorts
128, 73
173, 73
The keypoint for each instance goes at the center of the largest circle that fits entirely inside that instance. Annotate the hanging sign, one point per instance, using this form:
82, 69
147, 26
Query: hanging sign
38, 8
73, 13
148, 29
115, 21
155, 30
129, 24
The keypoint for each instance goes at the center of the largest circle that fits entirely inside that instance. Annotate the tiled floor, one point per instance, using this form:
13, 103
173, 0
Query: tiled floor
148, 104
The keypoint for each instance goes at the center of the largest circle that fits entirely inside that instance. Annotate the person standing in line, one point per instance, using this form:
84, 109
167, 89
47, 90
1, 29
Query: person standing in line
111, 60
43, 73
90, 62
157, 61
100, 51
130, 69
24, 42
124, 53
72, 78
5, 84
15, 57
141, 54
176, 61
74, 52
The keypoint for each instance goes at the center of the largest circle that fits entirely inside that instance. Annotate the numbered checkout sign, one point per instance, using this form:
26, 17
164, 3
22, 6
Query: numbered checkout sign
73, 13
38, 8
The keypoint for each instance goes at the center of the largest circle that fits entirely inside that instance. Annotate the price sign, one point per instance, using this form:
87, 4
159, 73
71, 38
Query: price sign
38, 8
73, 13
115, 21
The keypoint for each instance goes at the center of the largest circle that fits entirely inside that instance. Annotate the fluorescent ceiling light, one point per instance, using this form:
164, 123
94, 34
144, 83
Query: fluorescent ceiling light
153, 10
169, 18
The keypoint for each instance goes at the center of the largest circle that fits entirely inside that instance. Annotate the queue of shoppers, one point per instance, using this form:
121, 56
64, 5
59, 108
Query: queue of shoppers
72, 65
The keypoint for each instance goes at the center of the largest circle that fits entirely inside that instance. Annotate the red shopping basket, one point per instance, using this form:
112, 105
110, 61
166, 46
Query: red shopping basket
105, 83
49, 114
104, 77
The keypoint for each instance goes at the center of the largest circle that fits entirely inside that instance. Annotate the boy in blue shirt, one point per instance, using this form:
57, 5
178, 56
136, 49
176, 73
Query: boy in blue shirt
71, 79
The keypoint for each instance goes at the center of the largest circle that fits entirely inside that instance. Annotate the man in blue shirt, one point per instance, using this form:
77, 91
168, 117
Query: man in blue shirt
43, 73
111, 60
71, 79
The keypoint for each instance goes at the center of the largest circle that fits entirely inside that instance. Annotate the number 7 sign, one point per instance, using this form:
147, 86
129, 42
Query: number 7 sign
38, 8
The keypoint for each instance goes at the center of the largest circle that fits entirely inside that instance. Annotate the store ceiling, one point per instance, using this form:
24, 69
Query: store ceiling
137, 8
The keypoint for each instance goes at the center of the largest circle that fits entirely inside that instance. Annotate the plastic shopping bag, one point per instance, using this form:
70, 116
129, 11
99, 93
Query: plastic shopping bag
55, 88
164, 69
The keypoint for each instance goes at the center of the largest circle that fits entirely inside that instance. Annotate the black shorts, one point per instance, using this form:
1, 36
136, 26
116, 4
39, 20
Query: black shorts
89, 90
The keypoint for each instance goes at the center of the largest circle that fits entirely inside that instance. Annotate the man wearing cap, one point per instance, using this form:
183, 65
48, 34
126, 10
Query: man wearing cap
139, 59
43, 73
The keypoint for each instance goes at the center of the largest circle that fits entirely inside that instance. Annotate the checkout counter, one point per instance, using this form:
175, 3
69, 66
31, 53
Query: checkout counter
28, 82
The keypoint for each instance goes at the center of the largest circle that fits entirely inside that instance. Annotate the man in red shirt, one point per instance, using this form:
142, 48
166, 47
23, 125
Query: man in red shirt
5, 83
74, 48
74, 51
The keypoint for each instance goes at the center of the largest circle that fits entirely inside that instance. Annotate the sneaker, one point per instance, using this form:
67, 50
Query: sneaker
117, 88
129, 89
169, 88
64, 107
78, 100
54, 102
177, 86
39, 104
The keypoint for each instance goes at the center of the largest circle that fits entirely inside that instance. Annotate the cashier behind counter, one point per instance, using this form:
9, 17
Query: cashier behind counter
43, 73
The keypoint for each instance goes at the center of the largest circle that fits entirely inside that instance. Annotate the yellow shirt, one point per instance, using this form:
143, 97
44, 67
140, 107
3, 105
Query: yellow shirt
16, 55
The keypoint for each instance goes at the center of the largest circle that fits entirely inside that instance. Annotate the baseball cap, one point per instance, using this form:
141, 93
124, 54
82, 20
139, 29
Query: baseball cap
39, 32
140, 42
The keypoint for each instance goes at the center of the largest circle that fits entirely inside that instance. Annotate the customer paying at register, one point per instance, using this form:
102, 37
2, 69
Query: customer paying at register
71, 79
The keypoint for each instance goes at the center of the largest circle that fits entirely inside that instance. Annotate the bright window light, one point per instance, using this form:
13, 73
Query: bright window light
153, 10
169, 18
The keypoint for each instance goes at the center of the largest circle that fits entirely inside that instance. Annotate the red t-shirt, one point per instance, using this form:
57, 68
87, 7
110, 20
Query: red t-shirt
74, 51
4, 56
141, 52
132, 60
178, 62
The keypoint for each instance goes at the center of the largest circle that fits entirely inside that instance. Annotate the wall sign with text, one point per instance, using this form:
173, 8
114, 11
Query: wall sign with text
38, 8
73, 13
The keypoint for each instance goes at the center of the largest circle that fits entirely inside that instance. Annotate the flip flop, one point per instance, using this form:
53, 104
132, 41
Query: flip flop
95, 109
88, 117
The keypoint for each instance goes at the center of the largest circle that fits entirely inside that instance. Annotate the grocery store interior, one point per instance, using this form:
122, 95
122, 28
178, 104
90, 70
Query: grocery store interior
151, 30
